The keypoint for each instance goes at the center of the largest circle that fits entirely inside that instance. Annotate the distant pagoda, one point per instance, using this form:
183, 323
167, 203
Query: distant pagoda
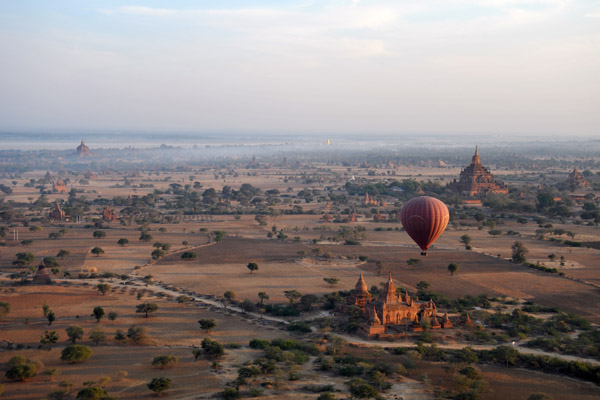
83, 150
59, 187
476, 180
577, 180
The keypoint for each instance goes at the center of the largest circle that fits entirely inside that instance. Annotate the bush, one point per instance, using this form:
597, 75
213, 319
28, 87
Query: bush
189, 255
230, 394
164, 362
319, 388
212, 348
259, 343
299, 327
159, 385
20, 369
76, 353
91, 393
136, 334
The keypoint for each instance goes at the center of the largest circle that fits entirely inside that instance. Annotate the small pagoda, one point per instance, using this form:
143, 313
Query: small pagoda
57, 214
42, 277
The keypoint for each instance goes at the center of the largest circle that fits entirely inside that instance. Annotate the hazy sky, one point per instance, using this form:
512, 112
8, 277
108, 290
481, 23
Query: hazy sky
502, 67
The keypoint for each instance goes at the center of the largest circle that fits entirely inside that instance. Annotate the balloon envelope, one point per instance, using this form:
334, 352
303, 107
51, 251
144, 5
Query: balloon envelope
424, 218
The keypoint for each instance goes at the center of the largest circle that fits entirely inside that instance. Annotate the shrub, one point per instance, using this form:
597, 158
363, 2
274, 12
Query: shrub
299, 327
189, 255
164, 362
212, 348
136, 334
259, 343
20, 369
91, 393
230, 394
159, 385
76, 353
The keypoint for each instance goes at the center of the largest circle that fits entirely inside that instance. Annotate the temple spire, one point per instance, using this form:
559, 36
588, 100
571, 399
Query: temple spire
390, 290
476, 159
361, 285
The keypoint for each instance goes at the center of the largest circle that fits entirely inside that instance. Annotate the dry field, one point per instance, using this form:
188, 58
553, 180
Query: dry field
173, 329
282, 266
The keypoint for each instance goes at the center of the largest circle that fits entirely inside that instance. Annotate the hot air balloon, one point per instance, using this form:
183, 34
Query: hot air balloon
424, 218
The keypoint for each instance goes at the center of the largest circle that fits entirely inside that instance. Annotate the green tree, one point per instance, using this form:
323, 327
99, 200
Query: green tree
113, 315
207, 324
122, 242
466, 240
74, 332
164, 362
145, 237
229, 296
506, 354
197, 353
51, 317
361, 390
91, 393
308, 300
263, 296
157, 254
545, 200
136, 334
45, 309
423, 285
98, 313
20, 369
518, 252
189, 255
23, 259
292, 295
99, 234
103, 288
97, 335
97, 251
76, 353
252, 267
63, 253
218, 236
51, 262
146, 308
331, 281
230, 393
159, 385
452, 268
212, 348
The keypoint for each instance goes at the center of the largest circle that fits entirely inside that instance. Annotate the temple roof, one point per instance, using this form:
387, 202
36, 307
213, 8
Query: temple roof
361, 286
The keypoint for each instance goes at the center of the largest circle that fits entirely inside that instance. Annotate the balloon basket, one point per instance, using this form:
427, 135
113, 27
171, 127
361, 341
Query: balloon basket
423, 253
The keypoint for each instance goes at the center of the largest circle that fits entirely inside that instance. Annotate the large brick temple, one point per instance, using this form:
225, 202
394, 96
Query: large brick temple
476, 180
